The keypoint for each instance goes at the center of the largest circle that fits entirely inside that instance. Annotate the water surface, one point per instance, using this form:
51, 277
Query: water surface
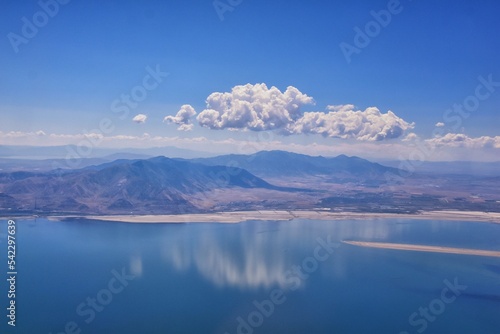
213, 278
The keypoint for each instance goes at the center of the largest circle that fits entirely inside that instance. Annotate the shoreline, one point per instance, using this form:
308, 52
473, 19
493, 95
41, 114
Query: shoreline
282, 215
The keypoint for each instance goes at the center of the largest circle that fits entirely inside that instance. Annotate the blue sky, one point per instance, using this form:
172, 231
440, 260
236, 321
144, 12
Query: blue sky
430, 55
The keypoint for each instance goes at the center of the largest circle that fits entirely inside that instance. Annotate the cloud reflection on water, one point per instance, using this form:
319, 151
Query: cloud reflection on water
136, 265
258, 255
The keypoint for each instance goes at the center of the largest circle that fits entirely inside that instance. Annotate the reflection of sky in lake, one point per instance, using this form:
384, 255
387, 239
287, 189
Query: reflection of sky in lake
198, 278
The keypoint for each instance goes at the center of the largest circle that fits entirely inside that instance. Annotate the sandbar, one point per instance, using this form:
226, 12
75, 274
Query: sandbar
425, 248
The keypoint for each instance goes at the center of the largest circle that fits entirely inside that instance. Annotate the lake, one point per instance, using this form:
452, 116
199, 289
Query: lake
84, 276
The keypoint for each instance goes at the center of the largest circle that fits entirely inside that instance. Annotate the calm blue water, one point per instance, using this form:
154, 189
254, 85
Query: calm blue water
76, 277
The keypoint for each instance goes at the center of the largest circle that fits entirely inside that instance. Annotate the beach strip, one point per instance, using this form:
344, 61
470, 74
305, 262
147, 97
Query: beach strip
277, 215
425, 248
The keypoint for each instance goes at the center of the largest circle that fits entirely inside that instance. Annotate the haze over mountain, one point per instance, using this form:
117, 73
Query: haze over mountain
452, 167
75, 152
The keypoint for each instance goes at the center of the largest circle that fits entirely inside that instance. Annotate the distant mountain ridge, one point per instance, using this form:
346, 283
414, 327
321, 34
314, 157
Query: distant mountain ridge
282, 163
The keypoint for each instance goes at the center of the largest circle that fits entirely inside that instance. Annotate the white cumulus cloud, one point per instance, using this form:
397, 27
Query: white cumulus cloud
462, 140
440, 124
182, 118
347, 123
411, 137
140, 118
259, 108
254, 107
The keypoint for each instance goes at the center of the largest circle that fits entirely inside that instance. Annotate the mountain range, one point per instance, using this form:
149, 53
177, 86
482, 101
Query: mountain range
164, 185
282, 163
